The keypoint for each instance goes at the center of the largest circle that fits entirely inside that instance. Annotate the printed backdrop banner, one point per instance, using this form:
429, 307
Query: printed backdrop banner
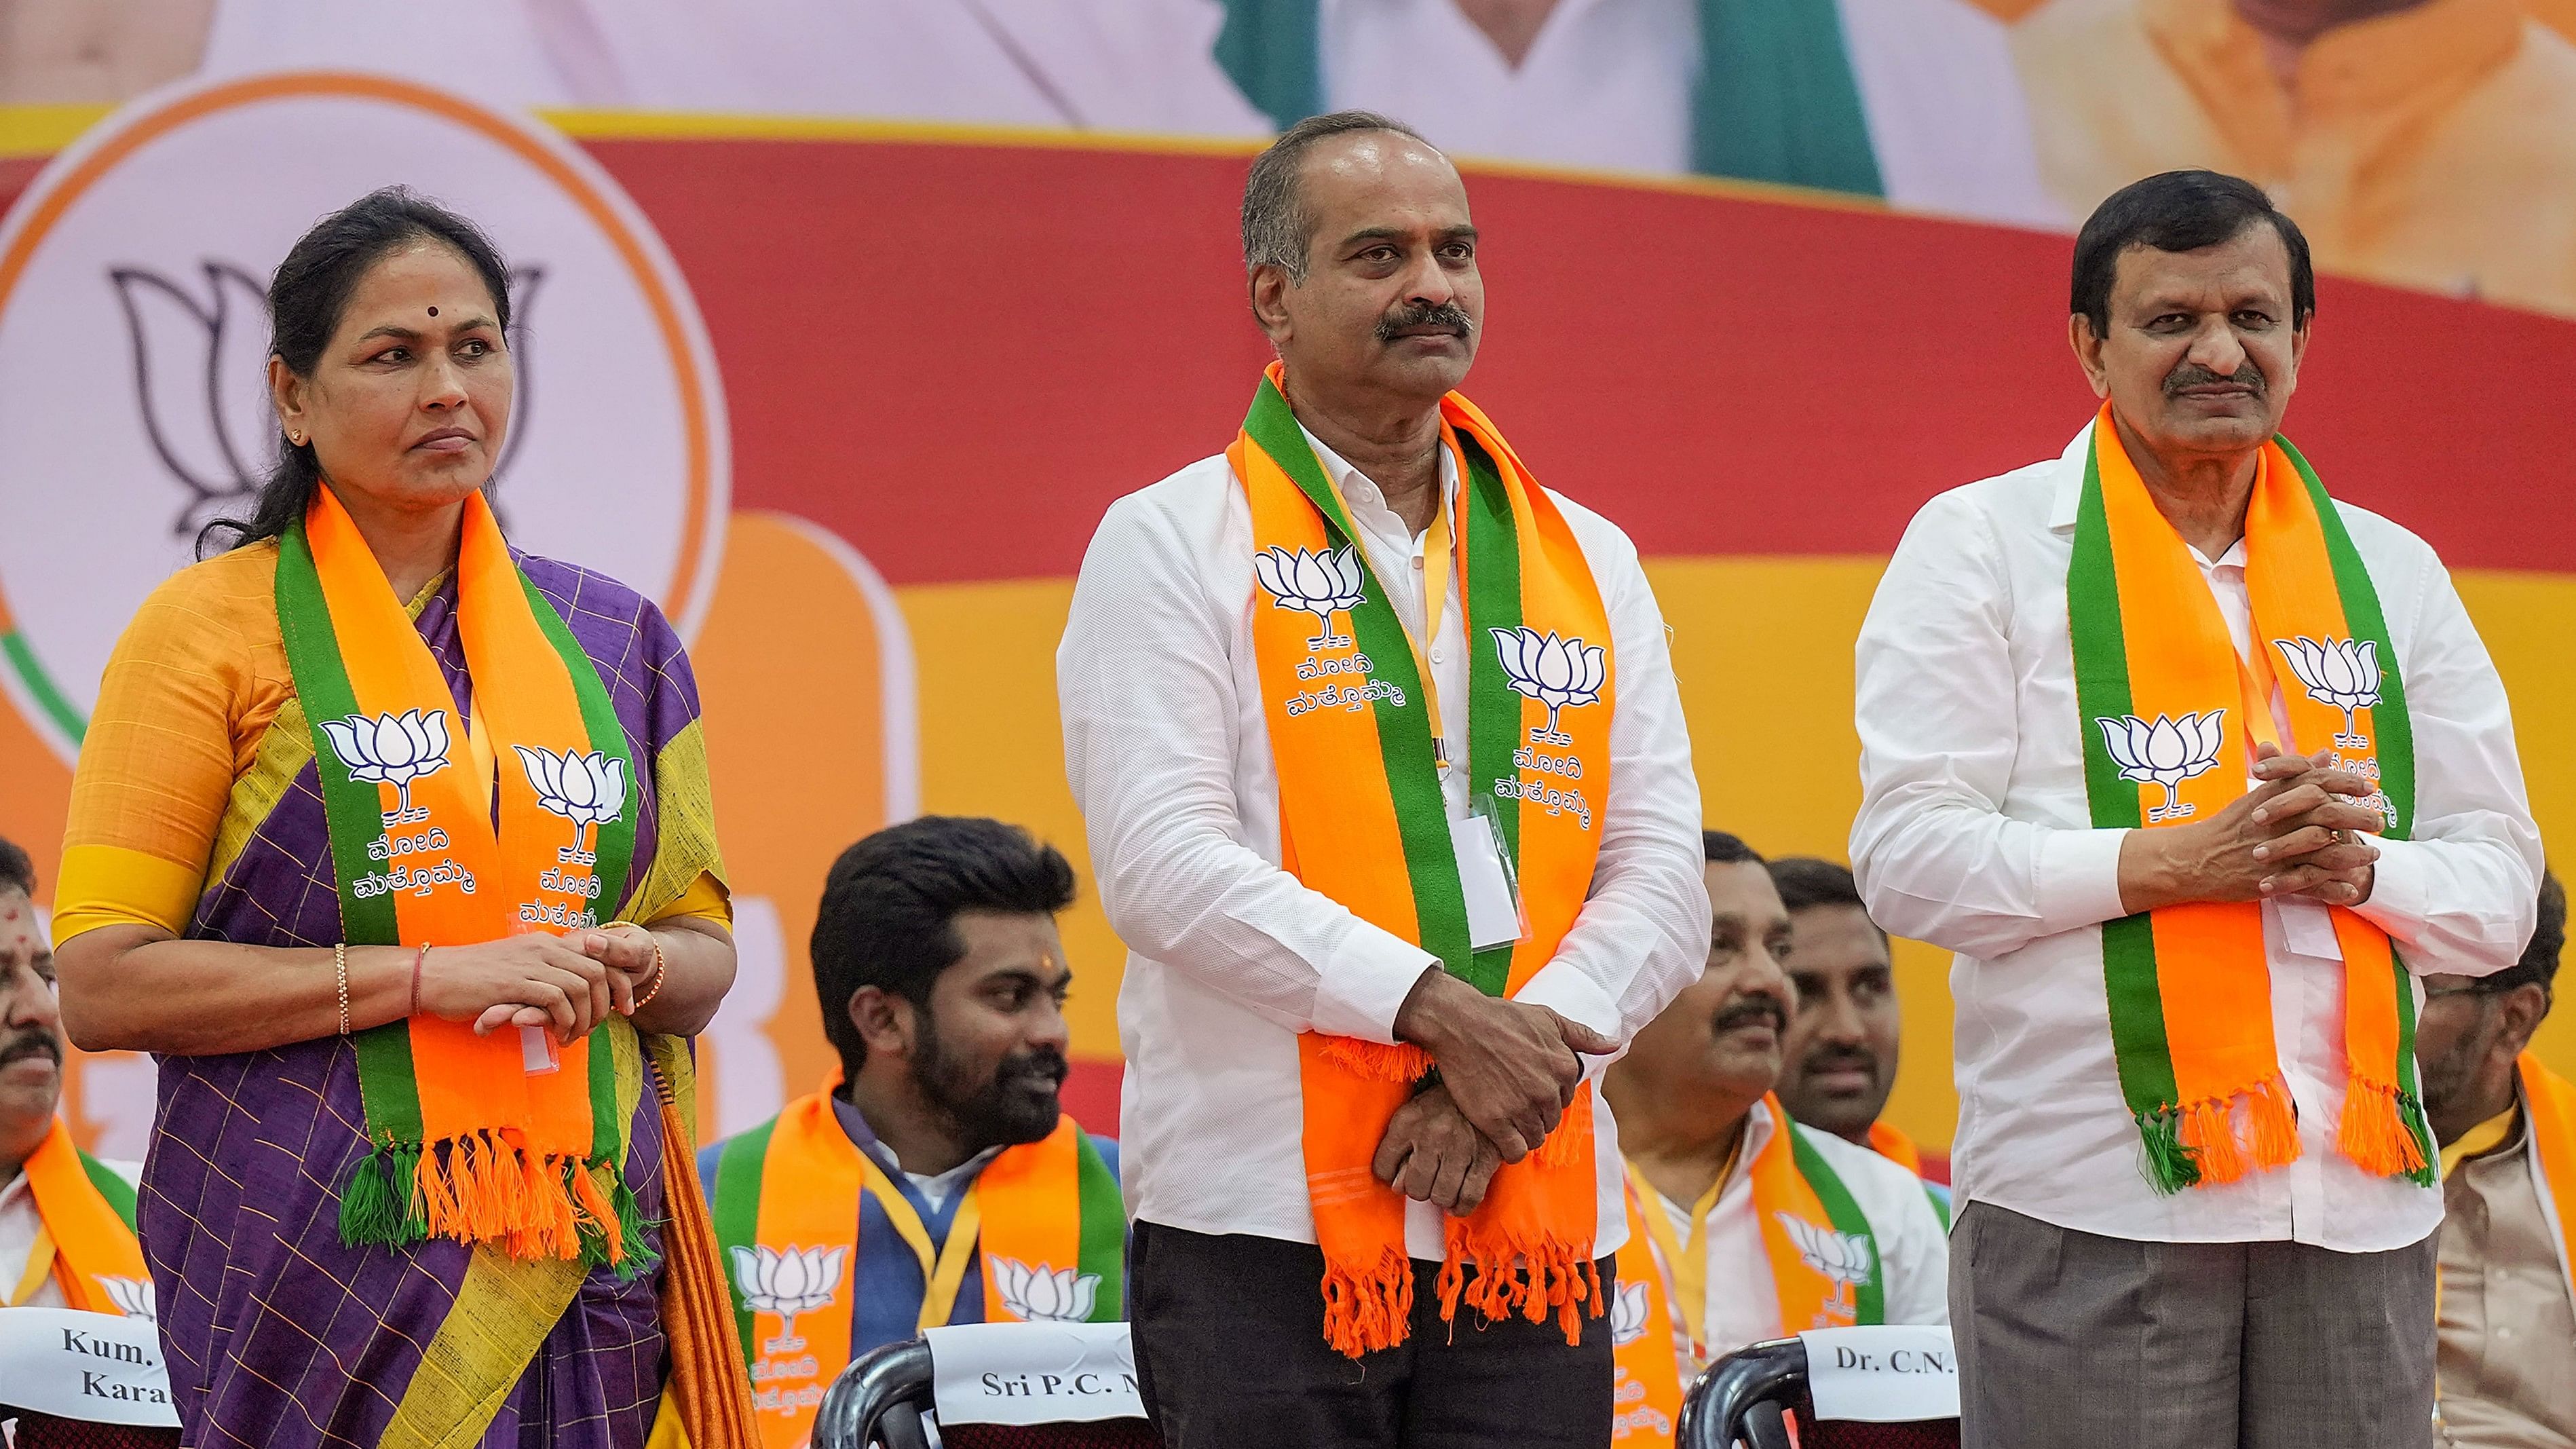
849, 398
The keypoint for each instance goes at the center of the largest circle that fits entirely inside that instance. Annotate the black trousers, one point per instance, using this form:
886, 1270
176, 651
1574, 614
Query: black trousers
1230, 1354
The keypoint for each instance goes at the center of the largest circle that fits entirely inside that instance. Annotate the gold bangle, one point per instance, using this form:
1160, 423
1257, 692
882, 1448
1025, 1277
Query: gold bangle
340, 970
661, 973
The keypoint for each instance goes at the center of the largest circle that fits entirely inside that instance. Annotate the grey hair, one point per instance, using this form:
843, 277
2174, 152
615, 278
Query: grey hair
1276, 227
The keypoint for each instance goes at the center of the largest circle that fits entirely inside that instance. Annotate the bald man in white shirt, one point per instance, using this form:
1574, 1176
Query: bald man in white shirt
1193, 686
2197, 1202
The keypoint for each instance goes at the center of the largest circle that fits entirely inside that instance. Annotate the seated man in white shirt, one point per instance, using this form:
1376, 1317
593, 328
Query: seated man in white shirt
66, 1218
1743, 1224
2196, 769
1399, 863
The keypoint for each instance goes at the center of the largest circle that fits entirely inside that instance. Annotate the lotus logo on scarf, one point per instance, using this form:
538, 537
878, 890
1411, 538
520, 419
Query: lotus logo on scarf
2342, 673
393, 749
1555, 672
1845, 1259
789, 1282
132, 1297
2166, 752
1628, 1315
1322, 583
1043, 1295
586, 789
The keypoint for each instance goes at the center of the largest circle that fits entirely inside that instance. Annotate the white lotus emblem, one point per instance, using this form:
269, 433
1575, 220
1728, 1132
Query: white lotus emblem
1843, 1257
201, 377
1555, 672
132, 1297
2343, 673
1628, 1315
2166, 752
1044, 1295
1321, 582
584, 789
788, 1282
392, 748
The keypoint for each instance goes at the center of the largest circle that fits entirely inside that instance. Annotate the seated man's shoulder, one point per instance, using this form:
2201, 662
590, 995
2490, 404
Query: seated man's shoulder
1107, 1147
1879, 1184
2381, 538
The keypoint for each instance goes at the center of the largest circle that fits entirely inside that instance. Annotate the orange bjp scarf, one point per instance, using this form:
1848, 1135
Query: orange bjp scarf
87, 1217
1362, 820
2170, 715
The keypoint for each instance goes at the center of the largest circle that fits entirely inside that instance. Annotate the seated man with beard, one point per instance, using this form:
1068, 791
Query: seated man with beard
935, 1180
1742, 1224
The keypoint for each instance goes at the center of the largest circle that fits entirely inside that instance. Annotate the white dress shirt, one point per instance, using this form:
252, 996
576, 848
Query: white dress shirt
1608, 85
1975, 834
1230, 957
19, 1224
1743, 1298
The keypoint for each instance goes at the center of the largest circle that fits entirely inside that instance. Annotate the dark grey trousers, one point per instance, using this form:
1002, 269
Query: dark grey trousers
2067, 1340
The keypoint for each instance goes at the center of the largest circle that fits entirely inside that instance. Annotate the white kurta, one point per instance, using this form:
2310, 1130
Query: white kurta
1974, 834
1231, 957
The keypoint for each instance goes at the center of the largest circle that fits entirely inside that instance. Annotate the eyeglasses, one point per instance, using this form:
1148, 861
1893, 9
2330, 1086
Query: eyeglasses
2496, 985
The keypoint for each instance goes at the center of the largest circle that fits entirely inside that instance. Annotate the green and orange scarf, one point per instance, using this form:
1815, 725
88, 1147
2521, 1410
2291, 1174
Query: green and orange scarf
1825, 1271
482, 1139
1363, 821
2159, 680
85, 1239
1045, 1219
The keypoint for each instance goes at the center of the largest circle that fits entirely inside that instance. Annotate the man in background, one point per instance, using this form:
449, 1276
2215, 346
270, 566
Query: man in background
936, 1180
1838, 1060
1743, 1224
2507, 1125
66, 1218
2429, 143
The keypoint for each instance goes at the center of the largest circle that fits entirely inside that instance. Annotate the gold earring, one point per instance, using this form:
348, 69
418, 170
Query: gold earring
296, 438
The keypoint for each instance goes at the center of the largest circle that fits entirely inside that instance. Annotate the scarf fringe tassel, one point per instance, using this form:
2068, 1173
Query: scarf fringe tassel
1516, 1277
1367, 1309
2377, 1132
485, 1188
1376, 1060
2204, 1143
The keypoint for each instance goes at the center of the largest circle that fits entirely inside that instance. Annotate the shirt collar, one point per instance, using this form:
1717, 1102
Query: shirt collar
2068, 497
854, 1124
1358, 489
2493, 1135
2381, 71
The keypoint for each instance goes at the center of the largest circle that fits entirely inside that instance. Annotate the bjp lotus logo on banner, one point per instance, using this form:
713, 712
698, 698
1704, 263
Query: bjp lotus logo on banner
1045, 1294
1628, 1313
392, 749
132, 1297
586, 789
1558, 673
787, 1282
104, 296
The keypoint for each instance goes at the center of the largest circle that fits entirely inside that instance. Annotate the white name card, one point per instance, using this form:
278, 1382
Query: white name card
1883, 1375
1033, 1373
98, 1368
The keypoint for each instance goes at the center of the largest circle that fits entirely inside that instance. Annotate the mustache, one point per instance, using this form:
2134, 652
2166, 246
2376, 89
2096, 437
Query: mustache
33, 1042
1447, 315
1044, 1064
1828, 1058
2192, 374
1749, 1011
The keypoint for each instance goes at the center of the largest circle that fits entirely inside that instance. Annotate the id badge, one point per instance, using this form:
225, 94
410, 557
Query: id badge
1485, 877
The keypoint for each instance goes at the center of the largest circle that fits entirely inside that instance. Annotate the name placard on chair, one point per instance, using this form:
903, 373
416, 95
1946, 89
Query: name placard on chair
98, 1368
1883, 1374
1033, 1373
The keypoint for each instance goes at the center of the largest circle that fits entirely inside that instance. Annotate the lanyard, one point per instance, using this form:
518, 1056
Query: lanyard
944, 1273
1686, 1260
40, 1265
1438, 550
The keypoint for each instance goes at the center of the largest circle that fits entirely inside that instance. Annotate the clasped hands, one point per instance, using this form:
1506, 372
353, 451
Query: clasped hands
2298, 832
1508, 1071
569, 983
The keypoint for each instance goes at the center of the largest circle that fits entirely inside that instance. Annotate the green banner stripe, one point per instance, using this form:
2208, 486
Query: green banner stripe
1490, 533
615, 845
607, 1124
1403, 724
2100, 646
2363, 616
735, 1211
58, 709
354, 809
1104, 1231
1845, 1214
118, 1192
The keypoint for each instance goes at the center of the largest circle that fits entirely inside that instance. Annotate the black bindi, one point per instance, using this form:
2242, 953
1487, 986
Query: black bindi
433, 311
